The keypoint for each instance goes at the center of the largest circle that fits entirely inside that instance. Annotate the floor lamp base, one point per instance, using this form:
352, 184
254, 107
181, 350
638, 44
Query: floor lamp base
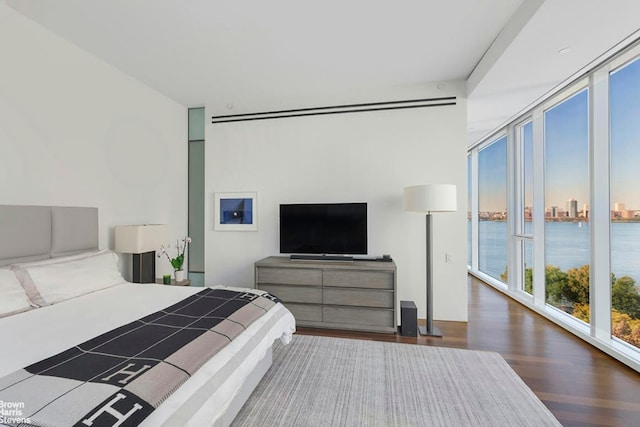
435, 332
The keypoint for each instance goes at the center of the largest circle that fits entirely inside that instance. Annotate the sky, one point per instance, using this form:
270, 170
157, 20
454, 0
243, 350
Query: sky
492, 177
624, 94
566, 129
566, 135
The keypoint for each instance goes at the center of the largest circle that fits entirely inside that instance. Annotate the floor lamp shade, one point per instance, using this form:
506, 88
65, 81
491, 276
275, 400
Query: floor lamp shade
426, 199
430, 198
142, 241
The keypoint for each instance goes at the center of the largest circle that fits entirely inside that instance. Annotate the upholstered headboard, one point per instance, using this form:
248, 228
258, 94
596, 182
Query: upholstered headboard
31, 233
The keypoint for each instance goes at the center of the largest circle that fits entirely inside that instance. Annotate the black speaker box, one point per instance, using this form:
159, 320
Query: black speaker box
408, 319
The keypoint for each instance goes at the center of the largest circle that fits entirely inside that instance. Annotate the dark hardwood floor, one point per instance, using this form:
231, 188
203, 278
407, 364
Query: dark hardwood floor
581, 385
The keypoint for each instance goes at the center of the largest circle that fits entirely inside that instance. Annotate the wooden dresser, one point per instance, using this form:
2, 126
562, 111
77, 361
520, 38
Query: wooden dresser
355, 295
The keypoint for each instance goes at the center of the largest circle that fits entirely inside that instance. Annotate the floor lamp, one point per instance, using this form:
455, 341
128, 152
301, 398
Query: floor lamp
142, 241
427, 199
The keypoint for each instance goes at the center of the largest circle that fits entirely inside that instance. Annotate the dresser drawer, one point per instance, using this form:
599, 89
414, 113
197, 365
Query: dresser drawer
290, 293
358, 316
304, 312
358, 297
289, 276
358, 279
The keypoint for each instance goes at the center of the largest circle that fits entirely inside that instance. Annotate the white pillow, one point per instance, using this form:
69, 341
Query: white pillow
58, 260
52, 282
27, 283
13, 299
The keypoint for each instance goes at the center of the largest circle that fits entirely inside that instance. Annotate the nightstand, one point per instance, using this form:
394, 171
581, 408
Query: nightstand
185, 282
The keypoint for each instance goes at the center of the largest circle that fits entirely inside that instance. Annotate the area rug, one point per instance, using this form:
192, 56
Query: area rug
318, 381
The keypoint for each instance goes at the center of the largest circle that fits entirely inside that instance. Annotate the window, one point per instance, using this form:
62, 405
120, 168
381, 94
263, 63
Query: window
526, 281
580, 263
524, 233
526, 161
492, 207
624, 99
567, 242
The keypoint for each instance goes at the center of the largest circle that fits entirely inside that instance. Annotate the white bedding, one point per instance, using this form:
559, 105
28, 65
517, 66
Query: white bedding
37, 334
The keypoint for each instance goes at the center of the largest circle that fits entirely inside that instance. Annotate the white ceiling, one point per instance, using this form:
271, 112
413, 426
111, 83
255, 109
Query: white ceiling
233, 53
531, 65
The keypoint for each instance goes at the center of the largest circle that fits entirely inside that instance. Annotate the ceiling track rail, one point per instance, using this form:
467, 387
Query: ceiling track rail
337, 109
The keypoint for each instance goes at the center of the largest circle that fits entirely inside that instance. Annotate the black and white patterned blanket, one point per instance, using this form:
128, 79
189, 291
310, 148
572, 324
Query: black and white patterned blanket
120, 377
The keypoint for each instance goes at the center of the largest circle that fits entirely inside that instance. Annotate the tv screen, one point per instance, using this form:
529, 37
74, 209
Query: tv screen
323, 228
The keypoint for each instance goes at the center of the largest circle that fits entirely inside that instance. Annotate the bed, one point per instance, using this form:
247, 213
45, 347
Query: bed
52, 252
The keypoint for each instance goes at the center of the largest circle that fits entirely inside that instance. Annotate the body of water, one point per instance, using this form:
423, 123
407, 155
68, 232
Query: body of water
566, 246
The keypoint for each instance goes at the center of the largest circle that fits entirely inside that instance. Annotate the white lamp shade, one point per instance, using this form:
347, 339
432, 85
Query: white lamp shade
430, 198
138, 239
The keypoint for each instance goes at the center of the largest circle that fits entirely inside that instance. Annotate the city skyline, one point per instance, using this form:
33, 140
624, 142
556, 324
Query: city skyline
580, 207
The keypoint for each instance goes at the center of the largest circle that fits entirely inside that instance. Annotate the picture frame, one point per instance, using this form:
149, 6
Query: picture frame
236, 211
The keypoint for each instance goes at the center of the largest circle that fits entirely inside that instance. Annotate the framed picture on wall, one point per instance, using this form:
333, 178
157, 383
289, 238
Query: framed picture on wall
236, 212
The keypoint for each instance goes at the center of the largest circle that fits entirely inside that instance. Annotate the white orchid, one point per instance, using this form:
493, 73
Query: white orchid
178, 261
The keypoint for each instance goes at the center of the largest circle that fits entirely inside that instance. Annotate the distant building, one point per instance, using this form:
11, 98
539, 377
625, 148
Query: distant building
528, 213
627, 214
585, 210
619, 207
572, 208
554, 211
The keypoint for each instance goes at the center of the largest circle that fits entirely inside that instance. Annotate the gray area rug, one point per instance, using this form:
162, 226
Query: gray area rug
318, 381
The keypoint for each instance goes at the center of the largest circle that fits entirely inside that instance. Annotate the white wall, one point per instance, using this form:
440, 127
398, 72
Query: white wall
357, 157
75, 131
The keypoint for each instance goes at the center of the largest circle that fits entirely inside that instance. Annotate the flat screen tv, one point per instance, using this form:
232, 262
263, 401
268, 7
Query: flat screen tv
323, 228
